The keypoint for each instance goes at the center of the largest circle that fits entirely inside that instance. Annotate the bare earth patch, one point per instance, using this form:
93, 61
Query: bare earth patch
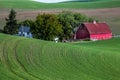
108, 15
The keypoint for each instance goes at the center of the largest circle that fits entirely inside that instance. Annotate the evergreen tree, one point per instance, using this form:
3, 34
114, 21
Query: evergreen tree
11, 23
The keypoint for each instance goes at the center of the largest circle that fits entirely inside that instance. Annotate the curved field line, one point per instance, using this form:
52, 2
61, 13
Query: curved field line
28, 59
6, 61
22, 66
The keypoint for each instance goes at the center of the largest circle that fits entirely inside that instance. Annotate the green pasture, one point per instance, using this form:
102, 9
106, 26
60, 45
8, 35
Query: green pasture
32, 59
29, 4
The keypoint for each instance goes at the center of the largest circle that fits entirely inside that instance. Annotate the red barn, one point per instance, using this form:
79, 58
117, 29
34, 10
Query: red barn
93, 31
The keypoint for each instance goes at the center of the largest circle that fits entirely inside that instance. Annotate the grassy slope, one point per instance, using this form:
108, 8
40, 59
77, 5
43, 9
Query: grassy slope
27, 4
29, 59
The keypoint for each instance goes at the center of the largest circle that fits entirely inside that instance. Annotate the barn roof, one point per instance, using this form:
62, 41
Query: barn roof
97, 28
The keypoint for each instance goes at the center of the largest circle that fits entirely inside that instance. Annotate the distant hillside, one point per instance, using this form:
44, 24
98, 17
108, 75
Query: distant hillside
31, 59
90, 4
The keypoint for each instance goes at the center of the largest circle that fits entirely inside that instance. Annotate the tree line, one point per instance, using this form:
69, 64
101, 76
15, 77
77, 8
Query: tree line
48, 26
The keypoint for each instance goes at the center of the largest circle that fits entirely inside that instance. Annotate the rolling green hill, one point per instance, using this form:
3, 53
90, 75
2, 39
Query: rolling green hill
29, 4
31, 59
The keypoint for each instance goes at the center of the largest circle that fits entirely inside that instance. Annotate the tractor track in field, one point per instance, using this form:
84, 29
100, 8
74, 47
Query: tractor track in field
22, 66
29, 59
6, 59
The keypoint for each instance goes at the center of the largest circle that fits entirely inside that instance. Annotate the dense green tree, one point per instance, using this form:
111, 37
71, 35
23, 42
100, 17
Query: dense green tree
49, 26
66, 19
79, 19
11, 23
46, 27
28, 23
70, 21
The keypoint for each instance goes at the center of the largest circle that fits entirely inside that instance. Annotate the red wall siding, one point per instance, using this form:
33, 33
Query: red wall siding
100, 36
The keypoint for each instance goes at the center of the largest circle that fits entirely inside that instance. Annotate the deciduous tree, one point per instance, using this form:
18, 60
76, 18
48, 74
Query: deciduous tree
46, 27
70, 21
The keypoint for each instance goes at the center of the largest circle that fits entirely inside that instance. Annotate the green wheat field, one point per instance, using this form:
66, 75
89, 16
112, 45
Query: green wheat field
32, 59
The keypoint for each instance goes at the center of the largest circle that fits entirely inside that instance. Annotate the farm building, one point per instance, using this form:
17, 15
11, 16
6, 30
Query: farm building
24, 31
93, 31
